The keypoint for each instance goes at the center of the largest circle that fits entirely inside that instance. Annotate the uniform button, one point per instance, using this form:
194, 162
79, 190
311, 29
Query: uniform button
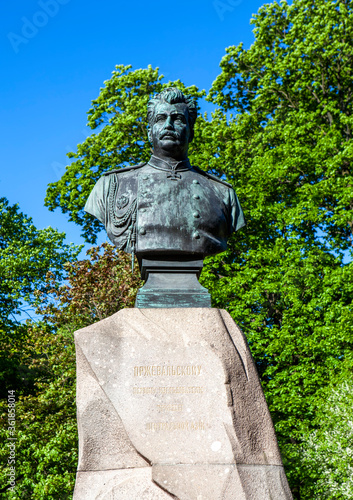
142, 210
195, 181
196, 215
196, 197
142, 231
196, 235
145, 177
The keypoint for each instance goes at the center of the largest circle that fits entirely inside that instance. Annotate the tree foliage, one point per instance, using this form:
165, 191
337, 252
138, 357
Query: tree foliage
328, 451
287, 148
46, 451
27, 254
97, 287
46, 430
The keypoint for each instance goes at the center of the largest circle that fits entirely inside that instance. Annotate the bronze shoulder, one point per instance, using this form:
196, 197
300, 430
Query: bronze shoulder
125, 169
212, 177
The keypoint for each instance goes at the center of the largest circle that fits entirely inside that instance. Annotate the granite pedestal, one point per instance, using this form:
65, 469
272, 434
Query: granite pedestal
170, 405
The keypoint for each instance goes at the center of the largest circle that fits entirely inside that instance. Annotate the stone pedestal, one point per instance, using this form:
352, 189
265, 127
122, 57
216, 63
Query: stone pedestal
170, 406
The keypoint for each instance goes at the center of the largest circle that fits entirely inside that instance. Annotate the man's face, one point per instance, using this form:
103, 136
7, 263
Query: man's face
170, 133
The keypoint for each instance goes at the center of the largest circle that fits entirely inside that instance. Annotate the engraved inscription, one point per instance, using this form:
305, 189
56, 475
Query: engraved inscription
184, 425
182, 374
168, 390
170, 407
167, 371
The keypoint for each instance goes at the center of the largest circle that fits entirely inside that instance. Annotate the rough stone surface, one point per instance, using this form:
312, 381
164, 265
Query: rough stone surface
223, 482
103, 442
123, 484
170, 406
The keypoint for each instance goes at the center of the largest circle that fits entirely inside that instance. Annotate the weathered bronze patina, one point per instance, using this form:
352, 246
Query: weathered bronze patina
167, 210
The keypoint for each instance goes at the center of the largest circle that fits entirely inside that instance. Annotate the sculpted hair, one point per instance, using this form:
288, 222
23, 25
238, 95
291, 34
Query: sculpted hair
172, 95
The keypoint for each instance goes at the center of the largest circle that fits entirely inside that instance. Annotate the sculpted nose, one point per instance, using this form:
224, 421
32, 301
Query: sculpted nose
168, 123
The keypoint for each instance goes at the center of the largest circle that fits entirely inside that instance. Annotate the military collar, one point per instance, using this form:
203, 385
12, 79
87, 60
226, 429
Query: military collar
179, 166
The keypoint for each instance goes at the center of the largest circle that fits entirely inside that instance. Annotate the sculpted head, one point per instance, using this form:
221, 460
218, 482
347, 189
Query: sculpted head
171, 117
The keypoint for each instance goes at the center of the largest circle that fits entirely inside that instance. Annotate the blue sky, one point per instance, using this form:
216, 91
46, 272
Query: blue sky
56, 54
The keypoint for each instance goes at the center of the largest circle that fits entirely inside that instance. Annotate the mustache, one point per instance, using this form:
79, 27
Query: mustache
169, 134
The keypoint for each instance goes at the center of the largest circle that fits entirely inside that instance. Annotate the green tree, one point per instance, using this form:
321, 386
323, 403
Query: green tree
27, 254
46, 429
281, 134
328, 454
284, 139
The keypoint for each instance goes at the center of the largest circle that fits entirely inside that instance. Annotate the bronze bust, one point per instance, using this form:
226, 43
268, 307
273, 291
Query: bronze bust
167, 208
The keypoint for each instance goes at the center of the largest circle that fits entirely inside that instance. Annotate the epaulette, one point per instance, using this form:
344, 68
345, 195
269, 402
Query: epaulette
125, 169
210, 176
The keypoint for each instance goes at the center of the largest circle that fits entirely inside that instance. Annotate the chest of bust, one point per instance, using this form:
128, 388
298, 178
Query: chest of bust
181, 213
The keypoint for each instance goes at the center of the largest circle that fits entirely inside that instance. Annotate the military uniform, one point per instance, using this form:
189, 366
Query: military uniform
160, 209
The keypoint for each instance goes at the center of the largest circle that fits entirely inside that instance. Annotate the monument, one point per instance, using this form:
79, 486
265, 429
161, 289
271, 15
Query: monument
169, 403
